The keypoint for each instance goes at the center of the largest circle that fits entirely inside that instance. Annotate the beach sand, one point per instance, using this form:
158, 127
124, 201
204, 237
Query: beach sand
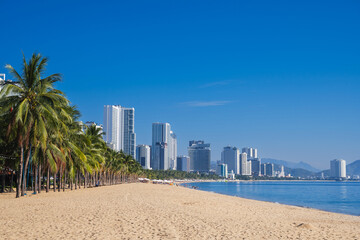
148, 211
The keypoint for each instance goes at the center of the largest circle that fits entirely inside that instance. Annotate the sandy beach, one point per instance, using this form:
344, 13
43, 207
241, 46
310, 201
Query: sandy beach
147, 211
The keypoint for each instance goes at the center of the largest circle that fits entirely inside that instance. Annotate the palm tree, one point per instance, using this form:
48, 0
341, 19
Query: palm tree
30, 101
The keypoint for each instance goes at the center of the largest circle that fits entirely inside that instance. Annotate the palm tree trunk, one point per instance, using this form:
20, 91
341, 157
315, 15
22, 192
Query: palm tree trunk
35, 180
39, 169
48, 180
64, 183
3, 182
71, 183
54, 181
76, 179
20, 172
12, 181
85, 179
60, 179
23, 189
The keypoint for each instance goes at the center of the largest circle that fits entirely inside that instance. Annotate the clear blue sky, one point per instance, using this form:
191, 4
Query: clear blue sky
282, 76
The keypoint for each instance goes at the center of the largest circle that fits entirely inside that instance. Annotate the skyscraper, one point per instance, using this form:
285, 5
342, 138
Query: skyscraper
256, 167
128, 129
248, 151
254, 153
230, 156
251, 152
270, 169
183, 163
119, 127
263, 169
173, 150
245, 165
200, 155
161, 139
338, 168
143, 155
222, 170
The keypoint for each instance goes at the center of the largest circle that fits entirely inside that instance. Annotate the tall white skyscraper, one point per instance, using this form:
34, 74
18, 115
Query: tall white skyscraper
161, 139
230, 156
173, 150
143, 155
119, 128
245, 165
338, 168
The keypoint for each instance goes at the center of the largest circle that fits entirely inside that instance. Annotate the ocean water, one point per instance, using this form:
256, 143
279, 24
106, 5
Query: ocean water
340, 197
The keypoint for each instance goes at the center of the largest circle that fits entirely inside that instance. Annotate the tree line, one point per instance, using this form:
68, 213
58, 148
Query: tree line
43, 145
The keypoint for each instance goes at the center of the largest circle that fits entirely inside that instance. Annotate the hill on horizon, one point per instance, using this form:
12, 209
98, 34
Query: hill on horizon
292, 165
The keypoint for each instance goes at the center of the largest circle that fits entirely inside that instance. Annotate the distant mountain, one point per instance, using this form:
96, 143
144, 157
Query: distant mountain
292, 165
296, 172
353, 168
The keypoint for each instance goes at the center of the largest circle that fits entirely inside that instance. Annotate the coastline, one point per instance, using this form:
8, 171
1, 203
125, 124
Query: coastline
139, 210
264, 200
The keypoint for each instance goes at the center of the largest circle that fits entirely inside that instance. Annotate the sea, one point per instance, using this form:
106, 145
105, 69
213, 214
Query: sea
339, 197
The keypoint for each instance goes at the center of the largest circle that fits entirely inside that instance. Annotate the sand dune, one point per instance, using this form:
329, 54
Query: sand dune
147, 211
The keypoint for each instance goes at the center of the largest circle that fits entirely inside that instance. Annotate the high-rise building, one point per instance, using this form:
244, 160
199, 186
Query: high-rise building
338, 168
245, 165
254, 153
161, 156
119, 128
270, 170
230, 156
256, 167
143, 155
200, 156
161, 141
183, 163
222, 170
251, 152
129, 131
263, 169
172, 150
248, 151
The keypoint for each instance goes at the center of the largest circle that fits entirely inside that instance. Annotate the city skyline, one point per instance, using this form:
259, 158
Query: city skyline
282, 76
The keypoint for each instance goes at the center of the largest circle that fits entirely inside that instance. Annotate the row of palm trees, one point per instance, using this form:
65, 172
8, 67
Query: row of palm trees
51, 145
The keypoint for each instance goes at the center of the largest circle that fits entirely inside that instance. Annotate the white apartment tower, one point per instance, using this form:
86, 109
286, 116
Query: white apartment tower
245, 165
230, 156
119, 128
161, 141
338, 168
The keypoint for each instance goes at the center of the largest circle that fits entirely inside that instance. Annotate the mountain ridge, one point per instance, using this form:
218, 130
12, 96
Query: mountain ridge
292, 165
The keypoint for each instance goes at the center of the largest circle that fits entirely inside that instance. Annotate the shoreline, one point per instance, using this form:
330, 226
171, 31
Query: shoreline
301, 206
155, 211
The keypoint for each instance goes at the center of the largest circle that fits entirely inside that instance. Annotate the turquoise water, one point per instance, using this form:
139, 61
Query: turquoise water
340, 197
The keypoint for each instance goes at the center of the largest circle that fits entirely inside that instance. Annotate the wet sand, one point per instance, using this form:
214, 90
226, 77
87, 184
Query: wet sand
148, 211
